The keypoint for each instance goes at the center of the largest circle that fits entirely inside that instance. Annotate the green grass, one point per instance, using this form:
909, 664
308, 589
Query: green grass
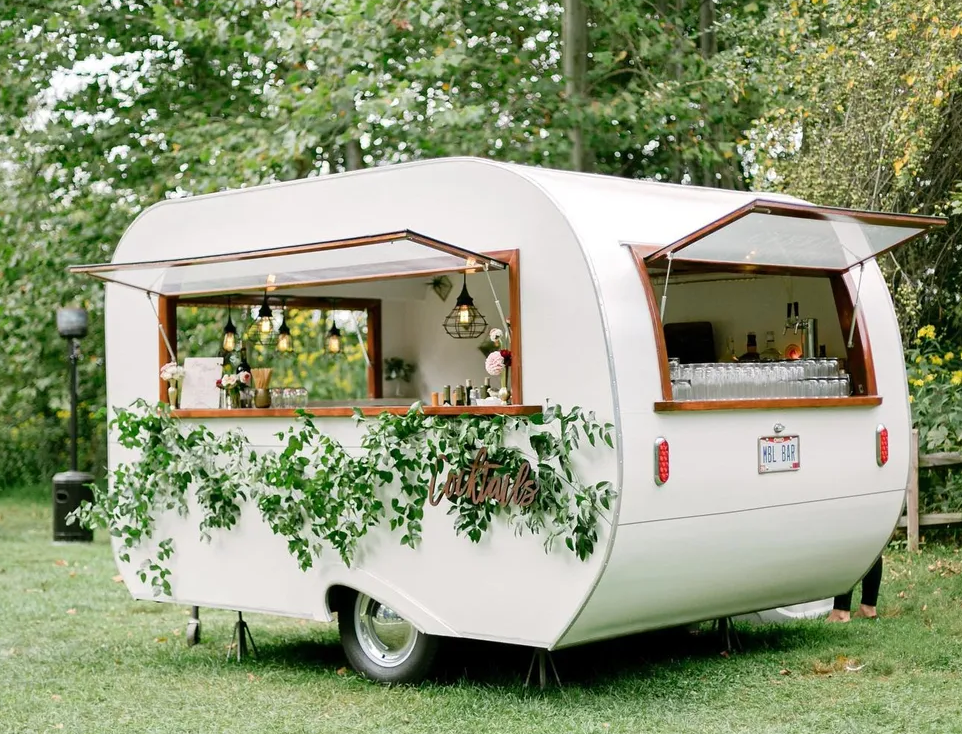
78, 655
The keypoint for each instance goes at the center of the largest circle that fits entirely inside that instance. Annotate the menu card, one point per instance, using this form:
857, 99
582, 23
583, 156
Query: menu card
200, 382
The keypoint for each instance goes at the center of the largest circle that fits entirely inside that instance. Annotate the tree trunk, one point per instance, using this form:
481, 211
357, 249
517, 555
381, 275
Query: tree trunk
575, 39
353, 160
707, 47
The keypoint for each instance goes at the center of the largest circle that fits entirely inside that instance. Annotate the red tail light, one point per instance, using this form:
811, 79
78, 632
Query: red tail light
661, 461
882, 445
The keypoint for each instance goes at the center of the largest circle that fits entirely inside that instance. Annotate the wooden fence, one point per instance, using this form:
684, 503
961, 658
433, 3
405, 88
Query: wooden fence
912, 520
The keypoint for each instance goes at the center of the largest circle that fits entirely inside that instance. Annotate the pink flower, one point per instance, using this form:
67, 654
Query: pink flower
245, 378
494, 364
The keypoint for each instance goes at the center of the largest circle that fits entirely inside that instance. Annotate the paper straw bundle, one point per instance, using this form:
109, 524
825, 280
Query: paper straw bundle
262, 377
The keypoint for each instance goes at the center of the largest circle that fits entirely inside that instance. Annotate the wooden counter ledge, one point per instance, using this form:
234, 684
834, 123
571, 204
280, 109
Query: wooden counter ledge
347, 411
856, 401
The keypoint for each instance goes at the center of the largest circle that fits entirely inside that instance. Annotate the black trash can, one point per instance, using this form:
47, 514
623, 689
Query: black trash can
69, 490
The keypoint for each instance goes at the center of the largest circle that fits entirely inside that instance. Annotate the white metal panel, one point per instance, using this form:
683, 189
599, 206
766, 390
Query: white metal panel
692, 569
494, 590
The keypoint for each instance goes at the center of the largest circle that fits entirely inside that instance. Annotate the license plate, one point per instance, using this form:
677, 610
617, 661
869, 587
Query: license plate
778, 453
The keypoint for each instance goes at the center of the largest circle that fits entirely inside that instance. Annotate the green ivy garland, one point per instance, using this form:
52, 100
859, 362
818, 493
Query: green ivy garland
316, 494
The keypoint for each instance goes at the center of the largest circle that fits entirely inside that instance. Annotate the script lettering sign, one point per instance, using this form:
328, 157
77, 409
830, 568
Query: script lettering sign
479, 483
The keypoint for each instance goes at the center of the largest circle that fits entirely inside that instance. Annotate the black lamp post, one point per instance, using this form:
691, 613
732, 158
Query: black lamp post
70, 488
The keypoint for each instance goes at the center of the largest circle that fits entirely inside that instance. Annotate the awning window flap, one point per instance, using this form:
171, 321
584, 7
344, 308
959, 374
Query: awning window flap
375, 257
766, 234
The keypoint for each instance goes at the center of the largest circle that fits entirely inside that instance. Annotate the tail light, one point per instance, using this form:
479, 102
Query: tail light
882, 445
661, 461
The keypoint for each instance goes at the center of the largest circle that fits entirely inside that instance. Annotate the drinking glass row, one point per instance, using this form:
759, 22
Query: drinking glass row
288, 397
801, 378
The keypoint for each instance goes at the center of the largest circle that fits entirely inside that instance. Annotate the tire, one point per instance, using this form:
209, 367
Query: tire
382, 645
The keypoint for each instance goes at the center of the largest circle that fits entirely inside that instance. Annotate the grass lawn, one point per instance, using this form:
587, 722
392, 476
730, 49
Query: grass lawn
78, 655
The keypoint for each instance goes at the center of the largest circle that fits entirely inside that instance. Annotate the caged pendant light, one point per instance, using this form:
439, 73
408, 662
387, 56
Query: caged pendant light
261, 331
465, 321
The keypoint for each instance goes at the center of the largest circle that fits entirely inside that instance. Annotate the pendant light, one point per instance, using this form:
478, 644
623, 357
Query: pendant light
465, 321
332, 341
230, 332
261, 331
285, 342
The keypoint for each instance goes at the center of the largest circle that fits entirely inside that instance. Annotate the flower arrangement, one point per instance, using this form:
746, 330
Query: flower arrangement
234, 382
172, 372
498, 362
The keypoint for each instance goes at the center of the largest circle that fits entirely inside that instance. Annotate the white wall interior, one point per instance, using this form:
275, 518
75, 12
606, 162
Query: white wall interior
736, 305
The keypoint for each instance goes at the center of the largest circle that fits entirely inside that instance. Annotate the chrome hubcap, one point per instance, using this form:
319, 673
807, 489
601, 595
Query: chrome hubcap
385, 636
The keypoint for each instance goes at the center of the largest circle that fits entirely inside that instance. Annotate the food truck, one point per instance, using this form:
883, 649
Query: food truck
739, 350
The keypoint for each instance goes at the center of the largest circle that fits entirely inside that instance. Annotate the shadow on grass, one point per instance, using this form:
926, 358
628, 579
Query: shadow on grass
501, 666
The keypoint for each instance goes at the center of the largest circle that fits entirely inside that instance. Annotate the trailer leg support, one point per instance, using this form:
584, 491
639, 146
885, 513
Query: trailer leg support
729, 636
543, 658
242, 634
193, 627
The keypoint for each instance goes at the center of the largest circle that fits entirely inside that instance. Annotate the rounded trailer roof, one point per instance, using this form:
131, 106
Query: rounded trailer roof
646, 210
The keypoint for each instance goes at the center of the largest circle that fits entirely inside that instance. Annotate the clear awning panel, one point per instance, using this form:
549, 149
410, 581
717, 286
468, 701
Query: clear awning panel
377, 257
795, 236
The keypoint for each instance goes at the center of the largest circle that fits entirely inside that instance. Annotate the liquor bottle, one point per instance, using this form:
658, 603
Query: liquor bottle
486, 392
243, 365
467, 391
751, 355
446, 395
729, 355
771, 353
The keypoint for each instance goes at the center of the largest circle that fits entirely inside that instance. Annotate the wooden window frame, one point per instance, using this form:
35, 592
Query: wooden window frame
167, 312
861, 365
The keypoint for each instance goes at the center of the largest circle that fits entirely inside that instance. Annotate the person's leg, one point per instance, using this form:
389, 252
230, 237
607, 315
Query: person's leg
870, 588
841, 609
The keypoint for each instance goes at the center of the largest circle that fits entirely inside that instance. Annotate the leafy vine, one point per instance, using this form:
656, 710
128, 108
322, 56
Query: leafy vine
316, 494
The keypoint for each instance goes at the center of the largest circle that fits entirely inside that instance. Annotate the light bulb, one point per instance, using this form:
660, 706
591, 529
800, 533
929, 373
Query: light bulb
266, 325
284, 343
464, 315
229, 341
334, 344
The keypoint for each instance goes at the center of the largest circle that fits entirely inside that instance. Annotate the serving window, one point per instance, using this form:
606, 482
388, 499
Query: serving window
760, 308
303, 368
398, 298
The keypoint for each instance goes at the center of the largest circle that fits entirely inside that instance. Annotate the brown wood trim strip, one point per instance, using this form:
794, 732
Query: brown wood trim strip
680, 265
291, 302
861, 365
375, 385
167, 311
347, 412
661, 349
514, 318
681, 406
811, 211
289, 250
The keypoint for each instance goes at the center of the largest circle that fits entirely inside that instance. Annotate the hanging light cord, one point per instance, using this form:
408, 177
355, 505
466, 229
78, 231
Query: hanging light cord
497, 305
160, 327
360, 340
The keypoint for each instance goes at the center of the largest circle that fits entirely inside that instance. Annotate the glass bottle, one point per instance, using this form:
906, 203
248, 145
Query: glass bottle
729, 355
771, 353
751, 353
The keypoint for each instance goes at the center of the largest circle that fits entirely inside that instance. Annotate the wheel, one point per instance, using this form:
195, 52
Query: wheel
381, 645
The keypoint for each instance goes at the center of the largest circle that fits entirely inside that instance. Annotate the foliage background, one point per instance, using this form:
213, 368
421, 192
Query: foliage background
111, 105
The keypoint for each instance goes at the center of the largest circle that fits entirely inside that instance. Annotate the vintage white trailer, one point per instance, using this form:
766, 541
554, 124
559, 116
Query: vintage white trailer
737, 487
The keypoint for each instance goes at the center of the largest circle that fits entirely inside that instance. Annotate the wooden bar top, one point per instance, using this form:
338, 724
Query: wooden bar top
856, 401
348, 411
